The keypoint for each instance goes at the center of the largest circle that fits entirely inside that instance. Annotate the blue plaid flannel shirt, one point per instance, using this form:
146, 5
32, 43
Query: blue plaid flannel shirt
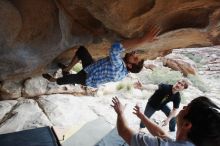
109, 69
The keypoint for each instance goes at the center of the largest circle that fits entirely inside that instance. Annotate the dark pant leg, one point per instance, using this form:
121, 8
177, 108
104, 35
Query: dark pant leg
79, 78
83, 54
172, 124
149, 111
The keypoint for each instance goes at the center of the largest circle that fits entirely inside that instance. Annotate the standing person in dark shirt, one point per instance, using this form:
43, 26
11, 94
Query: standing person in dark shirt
158, 101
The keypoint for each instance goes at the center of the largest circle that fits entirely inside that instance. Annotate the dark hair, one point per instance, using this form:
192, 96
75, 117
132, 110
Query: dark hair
136, 68
205, 118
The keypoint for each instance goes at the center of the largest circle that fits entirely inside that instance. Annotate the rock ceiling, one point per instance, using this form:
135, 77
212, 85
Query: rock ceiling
35, 34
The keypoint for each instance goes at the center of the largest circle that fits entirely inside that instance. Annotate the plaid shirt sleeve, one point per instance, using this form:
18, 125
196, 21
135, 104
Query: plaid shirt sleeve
115, 53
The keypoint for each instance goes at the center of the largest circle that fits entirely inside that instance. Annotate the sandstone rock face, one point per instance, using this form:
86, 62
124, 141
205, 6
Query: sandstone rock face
179, 63
10, 90
6, 106
34, 86
34, 35
30, 113
208, 59
57, 110
37, 86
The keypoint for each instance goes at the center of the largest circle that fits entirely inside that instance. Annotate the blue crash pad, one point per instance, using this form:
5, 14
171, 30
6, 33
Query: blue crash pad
34, 137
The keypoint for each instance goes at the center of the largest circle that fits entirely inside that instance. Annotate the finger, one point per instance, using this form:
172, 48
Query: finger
139, 83
136, 110
116, 99
137, 107
155, 30
164, 124
155, 27
151, 26
112, 105
158, 31
115, 102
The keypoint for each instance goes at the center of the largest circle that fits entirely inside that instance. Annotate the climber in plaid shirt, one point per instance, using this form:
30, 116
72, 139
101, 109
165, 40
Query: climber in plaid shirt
110, 69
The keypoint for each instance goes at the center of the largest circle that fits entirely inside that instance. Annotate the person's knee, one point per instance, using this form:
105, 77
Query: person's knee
172, 125
60, 81
82, 48
142, 125
81, 51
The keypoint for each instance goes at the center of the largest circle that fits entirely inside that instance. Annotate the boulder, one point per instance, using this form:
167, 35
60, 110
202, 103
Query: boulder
186, 67
5, 107
10, 90
34, 87
66, 110
25, 114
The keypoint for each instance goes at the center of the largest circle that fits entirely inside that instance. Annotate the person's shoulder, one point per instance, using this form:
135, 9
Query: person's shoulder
117, 44
173, 142
164, 86
140, 138
177, 95
117, 47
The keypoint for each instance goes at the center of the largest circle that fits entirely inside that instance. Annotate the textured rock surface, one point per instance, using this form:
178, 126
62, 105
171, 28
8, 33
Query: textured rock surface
57, 107
34, 87
180, 63
34, 35
68, 110
10, 90
25, 114
207, 59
